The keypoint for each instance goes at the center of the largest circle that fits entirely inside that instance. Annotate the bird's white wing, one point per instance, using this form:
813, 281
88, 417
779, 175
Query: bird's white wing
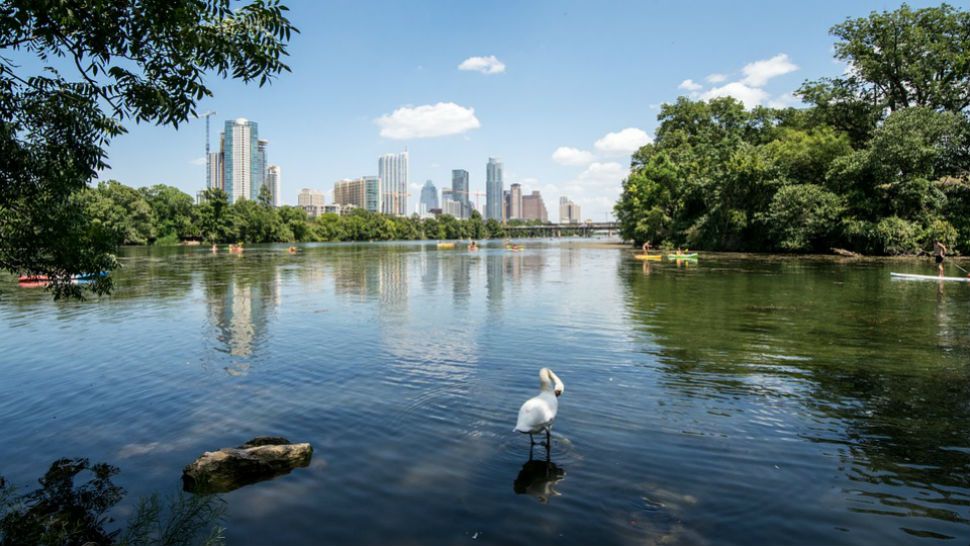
534, 414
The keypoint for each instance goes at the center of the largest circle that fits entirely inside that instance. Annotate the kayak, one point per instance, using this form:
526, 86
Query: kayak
445, 246
910, 277
647, 256
691, 256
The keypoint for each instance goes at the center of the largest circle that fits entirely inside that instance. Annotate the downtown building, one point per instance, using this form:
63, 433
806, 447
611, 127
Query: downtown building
240, 167
312, 201
569, 211
494, 202
364, 193
392, 170
428, 200
459, 193
533, 207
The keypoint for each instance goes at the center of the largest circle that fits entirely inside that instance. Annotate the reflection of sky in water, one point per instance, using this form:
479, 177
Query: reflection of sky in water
732, 402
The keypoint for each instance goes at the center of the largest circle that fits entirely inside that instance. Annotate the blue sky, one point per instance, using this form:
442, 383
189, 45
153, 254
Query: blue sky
574, 72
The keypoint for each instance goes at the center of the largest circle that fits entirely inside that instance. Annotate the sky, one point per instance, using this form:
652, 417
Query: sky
562, 91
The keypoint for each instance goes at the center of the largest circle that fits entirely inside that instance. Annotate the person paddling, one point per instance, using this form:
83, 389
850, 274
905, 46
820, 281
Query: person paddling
646, 247
939, 253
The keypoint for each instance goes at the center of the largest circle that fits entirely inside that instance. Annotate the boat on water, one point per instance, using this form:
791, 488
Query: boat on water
650, 257
42, 280
690, 256
912, 277
446, 246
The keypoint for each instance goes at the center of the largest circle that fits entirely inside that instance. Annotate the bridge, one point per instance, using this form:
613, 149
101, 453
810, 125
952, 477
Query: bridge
583, 229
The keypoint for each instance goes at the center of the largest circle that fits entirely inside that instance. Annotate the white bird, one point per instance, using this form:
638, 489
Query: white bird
538, 413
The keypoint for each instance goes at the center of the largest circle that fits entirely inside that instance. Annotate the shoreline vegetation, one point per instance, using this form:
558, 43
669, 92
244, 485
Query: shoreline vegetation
165, 215
878, 162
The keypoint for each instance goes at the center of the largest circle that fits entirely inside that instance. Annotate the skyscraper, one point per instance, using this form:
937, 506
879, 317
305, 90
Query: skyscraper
429, 198
373, 196
533, 208
459, 187
216, 170
568, 211
273, 181
515, 202
493, 189
393, 172
243, 168
259, 168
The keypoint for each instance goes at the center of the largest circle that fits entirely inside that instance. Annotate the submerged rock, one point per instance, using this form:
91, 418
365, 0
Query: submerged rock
262, 458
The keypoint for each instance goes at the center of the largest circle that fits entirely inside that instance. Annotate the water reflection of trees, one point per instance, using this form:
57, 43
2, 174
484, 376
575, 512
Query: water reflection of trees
882, 360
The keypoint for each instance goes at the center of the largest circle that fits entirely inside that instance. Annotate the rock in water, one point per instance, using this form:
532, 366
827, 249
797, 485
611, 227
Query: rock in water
262, 458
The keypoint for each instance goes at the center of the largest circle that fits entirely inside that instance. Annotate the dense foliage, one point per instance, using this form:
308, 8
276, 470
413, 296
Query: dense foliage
879, 161
165, 215
71, 72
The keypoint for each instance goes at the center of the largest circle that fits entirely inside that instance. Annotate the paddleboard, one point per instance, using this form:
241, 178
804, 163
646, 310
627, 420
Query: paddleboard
911, 277
647, 256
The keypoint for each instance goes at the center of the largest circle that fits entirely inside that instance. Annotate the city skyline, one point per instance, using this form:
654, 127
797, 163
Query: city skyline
562, 113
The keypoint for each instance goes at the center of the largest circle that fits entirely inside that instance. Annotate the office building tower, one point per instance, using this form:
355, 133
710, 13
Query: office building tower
392, 169
259, 168
216, 171
350, 191
533, 208
312, 201
240, 156
459, 188
373, 196
429, 198
273, 182
515, 202
568, 211
493, 189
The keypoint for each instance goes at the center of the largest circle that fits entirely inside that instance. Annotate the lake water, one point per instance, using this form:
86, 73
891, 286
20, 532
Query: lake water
733, 400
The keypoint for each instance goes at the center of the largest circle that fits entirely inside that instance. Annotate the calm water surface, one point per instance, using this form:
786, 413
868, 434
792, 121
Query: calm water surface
734, 401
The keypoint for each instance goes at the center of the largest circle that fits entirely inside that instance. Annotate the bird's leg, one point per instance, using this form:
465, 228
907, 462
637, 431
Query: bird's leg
532, 441
548, 440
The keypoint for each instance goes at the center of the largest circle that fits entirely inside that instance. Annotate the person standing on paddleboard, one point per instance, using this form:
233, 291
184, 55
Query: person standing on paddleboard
939, 252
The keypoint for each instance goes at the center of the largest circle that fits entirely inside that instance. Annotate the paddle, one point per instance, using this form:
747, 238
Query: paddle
960, 268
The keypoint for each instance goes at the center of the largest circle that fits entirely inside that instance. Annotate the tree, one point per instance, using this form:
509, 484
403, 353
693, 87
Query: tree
143, 60
173, 211
907, 57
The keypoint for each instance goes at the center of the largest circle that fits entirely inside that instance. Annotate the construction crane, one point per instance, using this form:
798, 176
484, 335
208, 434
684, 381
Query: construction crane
208, 165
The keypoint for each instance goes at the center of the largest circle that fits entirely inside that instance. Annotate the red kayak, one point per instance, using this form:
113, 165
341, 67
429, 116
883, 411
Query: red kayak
33, 278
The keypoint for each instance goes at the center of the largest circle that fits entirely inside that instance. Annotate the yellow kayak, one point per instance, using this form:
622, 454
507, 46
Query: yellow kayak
446, 246
651, 257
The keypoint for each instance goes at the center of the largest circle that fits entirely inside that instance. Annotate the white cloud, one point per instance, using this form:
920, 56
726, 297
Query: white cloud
599, 174
750, 96
690, 85
444, 118
758, 73
716, 78
624, 142
200, 161
485, 65
784, 100
565, 155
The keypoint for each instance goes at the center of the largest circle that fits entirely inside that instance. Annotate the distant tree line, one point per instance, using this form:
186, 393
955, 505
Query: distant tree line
879, 162
163, 214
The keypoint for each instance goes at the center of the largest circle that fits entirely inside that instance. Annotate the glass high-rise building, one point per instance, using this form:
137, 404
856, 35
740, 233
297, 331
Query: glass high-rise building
392, 169
515, 202
429, 198
459, 187
373, 196
242, 160
493, 189
273, 181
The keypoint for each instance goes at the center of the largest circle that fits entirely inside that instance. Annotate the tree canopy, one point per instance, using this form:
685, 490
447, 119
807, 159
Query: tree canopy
95, 64
879, 160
